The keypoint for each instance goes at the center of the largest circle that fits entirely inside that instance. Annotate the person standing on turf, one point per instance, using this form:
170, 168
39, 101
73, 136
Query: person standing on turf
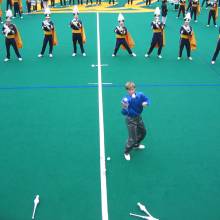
164, 11
216, 50
132, 107
195, 9
12, 37
158, 36
123, 38
49, 34
187, 38
78, 33
182, 6
213, 12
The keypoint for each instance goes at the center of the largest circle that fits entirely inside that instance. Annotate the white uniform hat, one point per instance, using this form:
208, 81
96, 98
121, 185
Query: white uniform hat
120, 17
187, 17
157, 11
75, 10
9, 13
47, 12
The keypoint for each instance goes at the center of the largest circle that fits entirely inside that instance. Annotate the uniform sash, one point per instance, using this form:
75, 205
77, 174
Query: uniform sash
129, 41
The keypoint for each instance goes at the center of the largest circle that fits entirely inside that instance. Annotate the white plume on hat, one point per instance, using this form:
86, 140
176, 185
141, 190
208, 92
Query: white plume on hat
187, 17
75, 10
47, 11
9, 13
157, 11
120, 17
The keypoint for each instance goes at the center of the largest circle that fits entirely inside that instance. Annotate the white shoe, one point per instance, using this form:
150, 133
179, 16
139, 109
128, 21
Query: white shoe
196, 21
178, 58
113, 55
40, 55
146, 55
213, 62
50, 55
74, 54
6, 59
159, 56
21, 17
216, 25
207, 25
140, 147
84, 54
127, 156
190, 58
20, 59
133, 54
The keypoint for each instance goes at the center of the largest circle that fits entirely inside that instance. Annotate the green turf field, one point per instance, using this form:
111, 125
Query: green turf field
49, 139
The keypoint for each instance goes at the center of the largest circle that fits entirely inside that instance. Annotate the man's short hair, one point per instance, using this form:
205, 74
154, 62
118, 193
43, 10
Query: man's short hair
129, 85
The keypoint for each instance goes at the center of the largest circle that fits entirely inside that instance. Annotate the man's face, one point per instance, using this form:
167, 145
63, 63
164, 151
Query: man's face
131, 91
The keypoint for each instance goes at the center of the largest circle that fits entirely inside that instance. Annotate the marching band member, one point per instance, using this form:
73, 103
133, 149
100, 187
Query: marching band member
78, 33
123, 38
195, 9
164, 11
187, 38
12, 37
216, 50
17, 8
182, 6
213, 12
158, 36
49, 34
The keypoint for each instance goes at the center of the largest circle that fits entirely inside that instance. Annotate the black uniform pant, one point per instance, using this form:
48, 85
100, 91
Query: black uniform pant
52, 3
203, 2
130, 1
111, 1
189, 5
216, 51
29, 7
136, 132
8, 5
63, 2
194, 12
212, 15
17, 9
98, 2
119, 42
77, 38
148, 2
11, 42
157, 40
87, 1
181, 9
47, 38
184, 42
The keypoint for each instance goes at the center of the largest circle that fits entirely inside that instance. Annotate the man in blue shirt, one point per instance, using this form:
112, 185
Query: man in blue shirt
132, 107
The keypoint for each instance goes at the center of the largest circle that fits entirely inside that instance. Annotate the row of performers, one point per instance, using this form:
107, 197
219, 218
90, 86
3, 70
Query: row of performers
123, 37
194, 8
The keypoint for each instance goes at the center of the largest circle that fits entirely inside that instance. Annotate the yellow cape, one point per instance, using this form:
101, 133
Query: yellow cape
129, 41
192, 41
164, 39
18, 40
54, 36
83, 35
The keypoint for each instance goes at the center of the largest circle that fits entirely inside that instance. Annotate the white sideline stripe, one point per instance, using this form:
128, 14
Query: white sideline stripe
104, 200
102, 83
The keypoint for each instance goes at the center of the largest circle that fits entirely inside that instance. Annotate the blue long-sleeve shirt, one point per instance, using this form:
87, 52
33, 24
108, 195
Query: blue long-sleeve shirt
135, 104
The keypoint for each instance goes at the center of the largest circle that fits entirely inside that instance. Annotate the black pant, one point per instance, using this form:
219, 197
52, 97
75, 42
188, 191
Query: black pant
17, 9
203, 2
212, 14
111, 1
8, 5
216, 51
47, 38
75, 38
130, 1
63, 1
194, 12
11, 42
181, 9
87, 1
119, 42
52, 3
148, 2
136, 132
157, 39
29, 7
98, 2
184, 42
